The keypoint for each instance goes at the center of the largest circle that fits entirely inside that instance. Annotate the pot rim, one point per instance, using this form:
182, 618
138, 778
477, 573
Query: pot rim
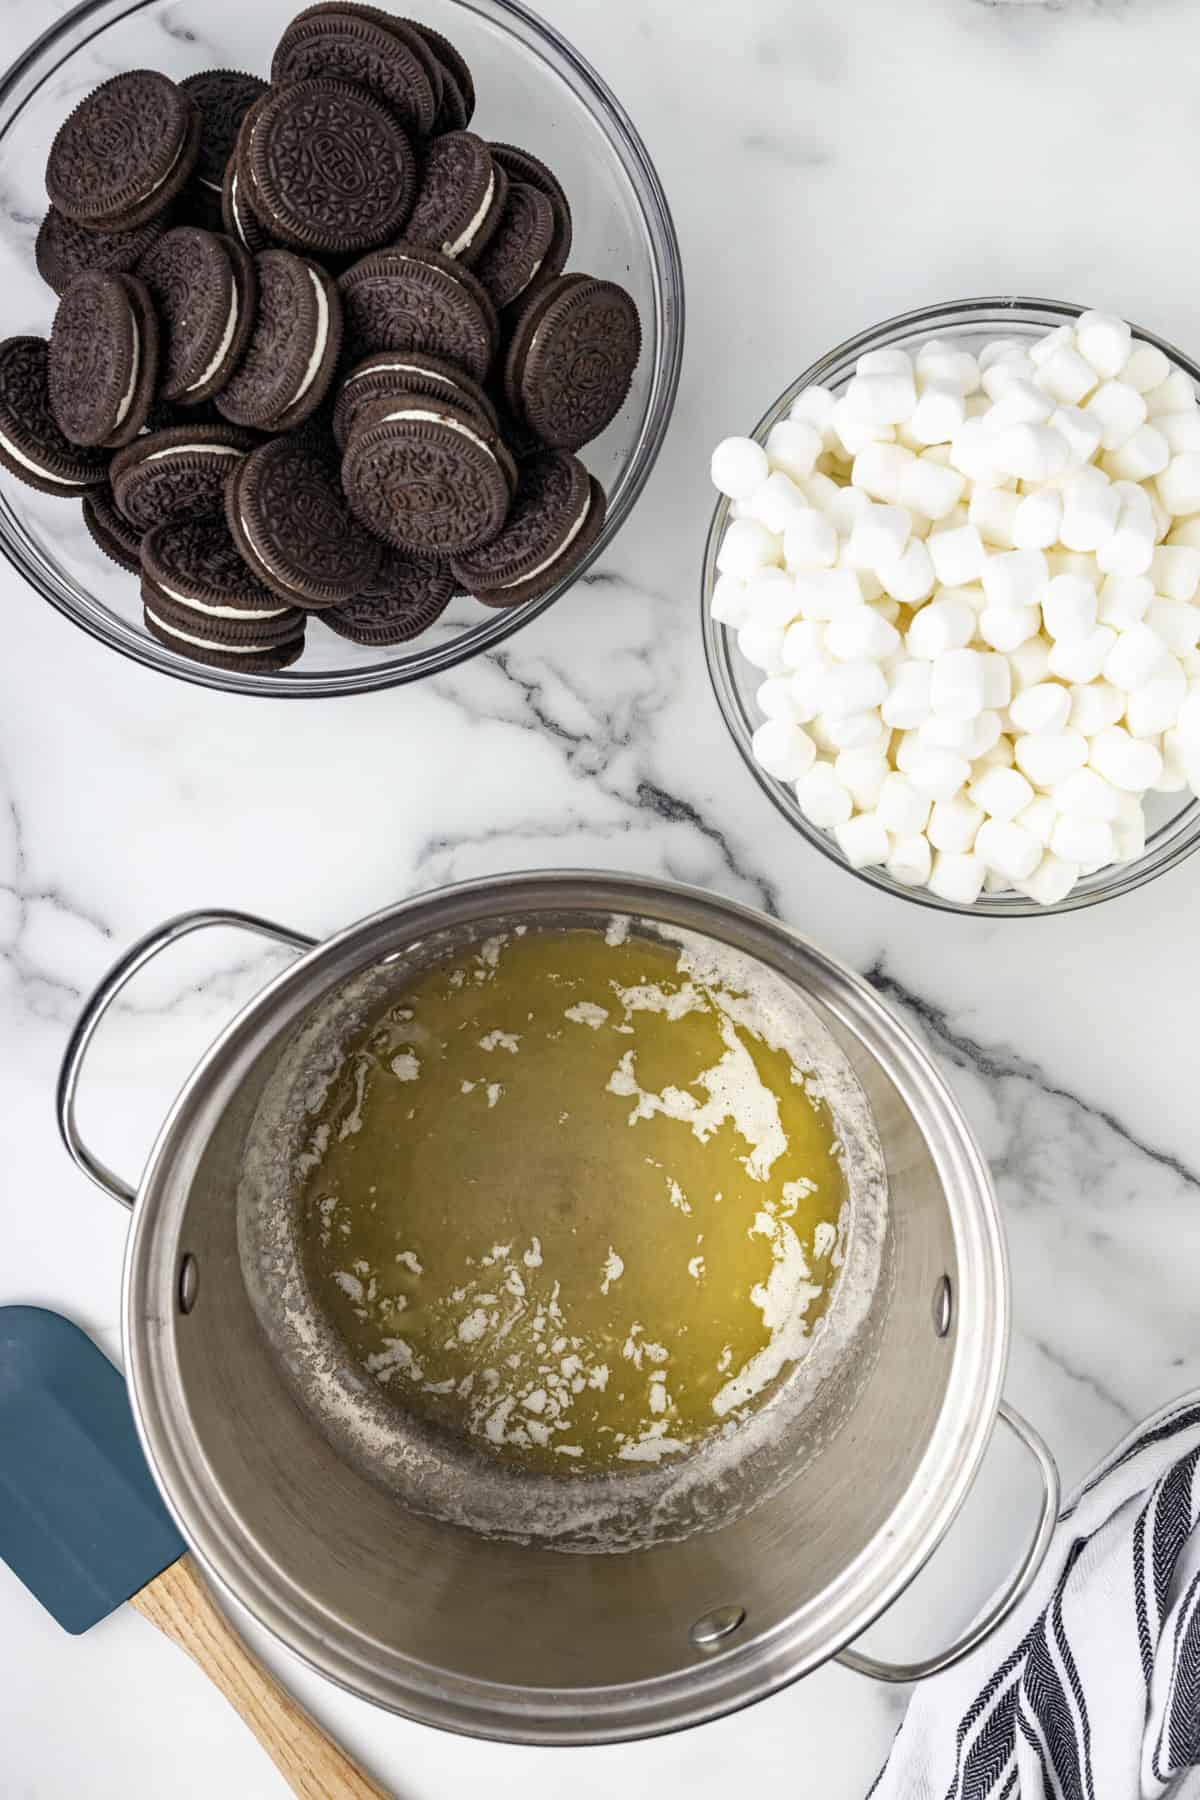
223, 1541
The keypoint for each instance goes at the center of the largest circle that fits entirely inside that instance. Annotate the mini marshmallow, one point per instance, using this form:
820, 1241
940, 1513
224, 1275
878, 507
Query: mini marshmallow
851, 431
1038, 818
1132, 764
810, 541
804, 644
1069, 606
1006, 628
738, 466
958, 685
1091, 510
938, 414
857, 633
1174, 393
1002, 350
771, 598
889, 361
929, 488
1029, 663
997, 680
1019, 402
1187, 724
938, 773
1086, 795
863, 841
900, 808
910, 861
879, 537
814, 406
1175, 571
853, 687
747, 547
1104, 340
1079, 432
1143, 454
807, 684
730, 604
1180, 431
1185, 531
1130, 548
993, 511
907, 704
822, 798
1129, 832
1134, 658
1007, 848
793, 446
1001, 793
1154, 706
1044, 347
957, 878
1045, 758
973, 450
776, 504
820, 491
823, 592
970, 737
1030, 452
1051, 881
762, 646
1081, 840
1178, 485
1000, 756
1015, 578
1066, 375
1124, 600
879, 470
849, 730
1094, 706
1046, 706
1176, 622
946, 623
783, 749
1006, 372
1037, 520
776, 700
953, 824
910, 576
882, 396
1145, 367
862, 772
946, 363
1079, 659
958, 555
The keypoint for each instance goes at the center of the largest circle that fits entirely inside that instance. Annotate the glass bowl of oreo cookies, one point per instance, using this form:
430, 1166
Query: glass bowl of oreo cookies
335, 345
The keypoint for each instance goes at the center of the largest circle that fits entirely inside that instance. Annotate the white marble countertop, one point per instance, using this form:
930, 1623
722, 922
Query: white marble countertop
827, 166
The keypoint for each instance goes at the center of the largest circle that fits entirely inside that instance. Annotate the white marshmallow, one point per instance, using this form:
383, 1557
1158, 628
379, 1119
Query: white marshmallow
730, 604
1094, 706
738, 466
851, 430
1081, 840
1049, 755
1154, 707
942, 362
1185, 531
997, 680
1078, 659
946, 623
775, 699
823, 592
958, 555
1132, 764
938, 773
1187, 724
938, 414
882, 396
858, 633
879, 537
953, 824
910, 861
1000, 756
846, 506
1037, 520
1180, 431
907, 704
1104, 340
1091, 510
1176, 622
958, 685
1007, 848
1129, 832
1051, 881
1066, 375
793, 446
1044, 707
879, 470
973, 450
1029, 662
777, 503
910, 576
1123, 600
957, 878
1069, 606
747, 547
1030, 452
993, 511
783, 749
1019, 402
862, 772
930, 488
1038, 818
853, 687
1001, 793
1143, 454
1079, 432
1130, 548
1086, 795
900, 808
1135, 658
810, 541
804, 644
822, 798
821, 491
1175, 571
1174, 393
1002, 350
1005, 372
771, 598
814, 406
1015, 578
1044, 347
863, 841
1178, 485
762, 646
1145, 367
1006, 628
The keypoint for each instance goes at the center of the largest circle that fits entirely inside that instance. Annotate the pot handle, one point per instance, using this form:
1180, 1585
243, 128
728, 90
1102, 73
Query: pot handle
1012, 1594
88, 1022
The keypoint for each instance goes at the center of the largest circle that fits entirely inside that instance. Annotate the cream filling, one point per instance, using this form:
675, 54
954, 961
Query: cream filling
463, 242
537, 265
233, 207
207, 643
438, 419
134, 361
222, 348
398, 369
183, 449
266, 562
36, 468
321, 339
167, 172
221, 612
574, 532
205, 182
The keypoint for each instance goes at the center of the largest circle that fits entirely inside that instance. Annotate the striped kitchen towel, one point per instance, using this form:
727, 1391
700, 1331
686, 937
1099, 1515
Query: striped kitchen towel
1091, 1690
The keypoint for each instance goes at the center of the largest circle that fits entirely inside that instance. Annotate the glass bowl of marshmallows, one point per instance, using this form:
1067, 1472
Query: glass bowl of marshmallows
951, 605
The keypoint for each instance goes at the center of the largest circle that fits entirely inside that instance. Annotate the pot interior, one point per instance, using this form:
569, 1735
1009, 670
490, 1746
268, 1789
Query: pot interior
521, 1642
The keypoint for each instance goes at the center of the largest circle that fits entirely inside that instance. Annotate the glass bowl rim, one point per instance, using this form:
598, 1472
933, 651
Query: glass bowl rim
988, 309
626, 146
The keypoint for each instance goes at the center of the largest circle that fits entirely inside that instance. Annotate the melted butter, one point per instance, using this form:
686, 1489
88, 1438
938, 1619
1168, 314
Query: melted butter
564, 1199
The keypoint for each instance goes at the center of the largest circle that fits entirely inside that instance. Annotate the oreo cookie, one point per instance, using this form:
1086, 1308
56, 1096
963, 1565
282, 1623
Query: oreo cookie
110, 531
64, 249
326, 167
222, 97
522, 165
290, 521
103, 360
411, 298
206, 291
571, 359
519, 246
199, 592
427, 476
231, 648
555, 518
391, 372
179, 473
32, 447
293, 349
458, 87
408, 595
238, 216
367, 46
461, 197
125, 152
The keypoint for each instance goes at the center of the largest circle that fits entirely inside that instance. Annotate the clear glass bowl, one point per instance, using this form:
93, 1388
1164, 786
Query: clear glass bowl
1173, 822
534, 90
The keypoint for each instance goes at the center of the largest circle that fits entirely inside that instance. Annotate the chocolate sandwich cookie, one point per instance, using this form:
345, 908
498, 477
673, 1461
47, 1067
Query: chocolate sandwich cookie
199, 593
110, 531
519, 246
522, 165
458, 88
125, 152
293, 349
391, 372
369, 47
175, 474
232, 647
206, 291
427, 476
461, 198
408, 595
571, 359
326, 167
64, 249
222, 97
411, 298
31, 445
238, 216
103, 361
554, 520
290, 521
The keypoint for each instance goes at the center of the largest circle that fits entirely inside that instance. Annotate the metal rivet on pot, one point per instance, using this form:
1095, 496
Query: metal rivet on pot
943, 1306
189, 1282
712, 1628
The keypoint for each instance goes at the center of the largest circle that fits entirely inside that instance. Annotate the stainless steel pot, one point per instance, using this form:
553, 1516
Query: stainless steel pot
498, 1639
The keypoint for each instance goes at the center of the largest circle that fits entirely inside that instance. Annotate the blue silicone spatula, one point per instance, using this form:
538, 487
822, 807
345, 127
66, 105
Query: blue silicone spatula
82, 1525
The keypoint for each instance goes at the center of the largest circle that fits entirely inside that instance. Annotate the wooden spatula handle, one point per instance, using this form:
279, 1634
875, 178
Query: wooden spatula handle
179, 1603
